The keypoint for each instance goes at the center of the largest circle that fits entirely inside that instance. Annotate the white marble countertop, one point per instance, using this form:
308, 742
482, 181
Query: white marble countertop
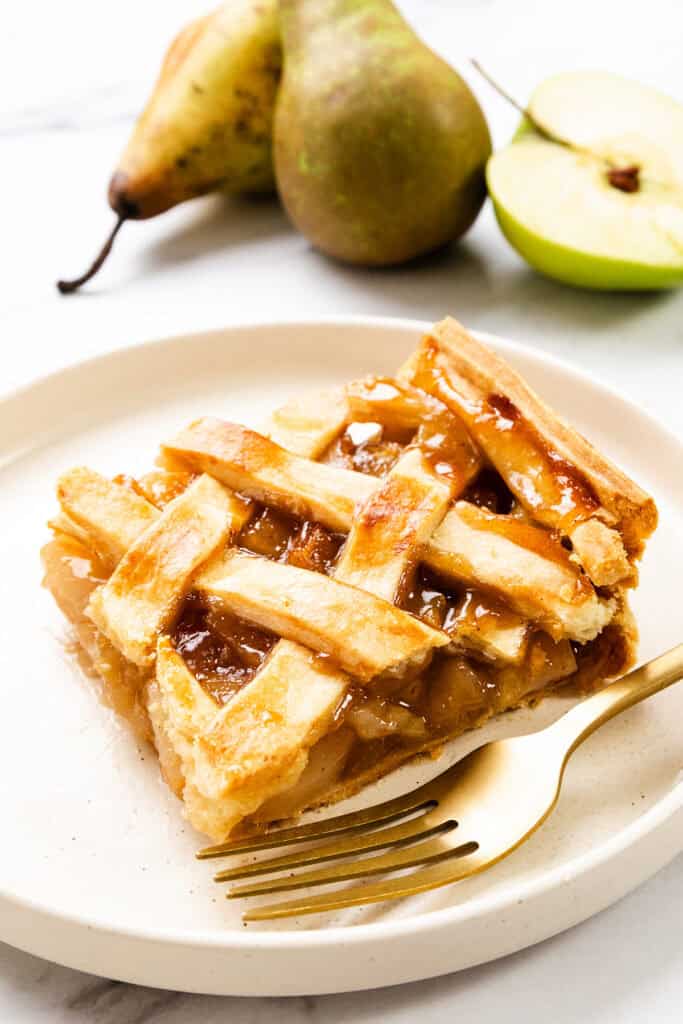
73, 75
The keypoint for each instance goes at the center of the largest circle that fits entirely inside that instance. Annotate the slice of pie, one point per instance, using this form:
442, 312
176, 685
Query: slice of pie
288, 615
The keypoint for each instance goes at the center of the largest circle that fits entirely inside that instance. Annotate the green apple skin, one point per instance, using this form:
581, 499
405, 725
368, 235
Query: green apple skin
577, 266
580, 269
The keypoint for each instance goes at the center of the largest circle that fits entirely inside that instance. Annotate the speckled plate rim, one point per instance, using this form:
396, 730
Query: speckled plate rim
597, 878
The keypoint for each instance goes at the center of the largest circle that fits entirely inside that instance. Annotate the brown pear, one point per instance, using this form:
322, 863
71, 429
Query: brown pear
380, 147
208, 123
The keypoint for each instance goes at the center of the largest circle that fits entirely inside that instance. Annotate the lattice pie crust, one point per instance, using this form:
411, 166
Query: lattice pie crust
289, 614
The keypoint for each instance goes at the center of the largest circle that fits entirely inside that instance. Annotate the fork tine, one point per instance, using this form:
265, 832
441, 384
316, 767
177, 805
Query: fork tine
401, 834
394, 860
384, 813
431, 877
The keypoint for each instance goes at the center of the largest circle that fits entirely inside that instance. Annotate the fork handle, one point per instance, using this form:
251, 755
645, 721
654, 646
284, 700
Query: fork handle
583, 719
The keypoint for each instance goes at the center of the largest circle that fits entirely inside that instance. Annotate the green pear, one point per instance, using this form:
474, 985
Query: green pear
593, 194
380, 147
208, 123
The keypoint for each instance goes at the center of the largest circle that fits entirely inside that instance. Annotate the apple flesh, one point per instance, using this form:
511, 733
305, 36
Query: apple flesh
605, 212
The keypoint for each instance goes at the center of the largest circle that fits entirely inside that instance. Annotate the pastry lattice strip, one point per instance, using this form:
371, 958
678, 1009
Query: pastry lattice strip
553, 471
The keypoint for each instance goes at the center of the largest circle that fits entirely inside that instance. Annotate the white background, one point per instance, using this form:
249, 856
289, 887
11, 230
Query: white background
73, 75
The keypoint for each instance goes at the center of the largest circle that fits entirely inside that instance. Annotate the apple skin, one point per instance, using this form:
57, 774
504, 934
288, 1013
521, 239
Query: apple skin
574, 267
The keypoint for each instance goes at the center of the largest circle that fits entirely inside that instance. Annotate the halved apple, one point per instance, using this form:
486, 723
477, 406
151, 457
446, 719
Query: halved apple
605, 211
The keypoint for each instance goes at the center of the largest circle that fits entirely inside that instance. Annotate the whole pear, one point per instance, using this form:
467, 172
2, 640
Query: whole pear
380, 147
208, 122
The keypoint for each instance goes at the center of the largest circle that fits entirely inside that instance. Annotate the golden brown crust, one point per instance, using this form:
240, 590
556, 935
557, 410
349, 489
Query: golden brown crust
524, 564
601, 552
307, 425
230, 759
254, 465
111, 516
622, 501
143, 594
364, 634
392, 526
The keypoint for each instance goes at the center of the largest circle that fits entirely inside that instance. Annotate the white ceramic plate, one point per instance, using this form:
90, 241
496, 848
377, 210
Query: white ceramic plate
96, 864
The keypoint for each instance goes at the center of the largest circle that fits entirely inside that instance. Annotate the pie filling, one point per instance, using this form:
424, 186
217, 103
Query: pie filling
501, 645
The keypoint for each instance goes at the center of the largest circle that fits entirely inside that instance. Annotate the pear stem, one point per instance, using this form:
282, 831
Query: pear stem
626, 179
67, 287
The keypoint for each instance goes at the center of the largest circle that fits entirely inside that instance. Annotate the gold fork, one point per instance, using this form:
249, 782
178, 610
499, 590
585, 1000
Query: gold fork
460, 823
